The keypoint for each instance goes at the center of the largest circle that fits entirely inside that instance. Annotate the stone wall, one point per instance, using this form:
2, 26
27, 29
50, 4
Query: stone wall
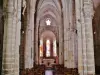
1, 3
23, 34
96, 33
1, 37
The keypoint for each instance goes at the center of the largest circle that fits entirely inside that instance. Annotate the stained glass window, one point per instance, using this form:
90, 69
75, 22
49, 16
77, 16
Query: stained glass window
48, 22
47, 48
54, 48
41, 48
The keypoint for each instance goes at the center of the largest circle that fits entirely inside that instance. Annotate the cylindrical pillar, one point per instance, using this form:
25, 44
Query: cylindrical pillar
88, 14
79, 36
12, 24
29, 45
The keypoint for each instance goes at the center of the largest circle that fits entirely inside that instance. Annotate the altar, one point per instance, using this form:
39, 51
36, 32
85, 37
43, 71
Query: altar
48, 62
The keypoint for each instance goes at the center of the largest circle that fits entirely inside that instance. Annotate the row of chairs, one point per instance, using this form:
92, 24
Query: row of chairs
57, 70
37, 70
71, 71
61, 70
27, 72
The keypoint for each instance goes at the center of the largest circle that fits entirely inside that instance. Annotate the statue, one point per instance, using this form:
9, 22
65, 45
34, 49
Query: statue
24, 7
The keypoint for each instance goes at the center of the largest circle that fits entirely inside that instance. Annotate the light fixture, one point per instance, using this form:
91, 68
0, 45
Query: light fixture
94, 32
23, 32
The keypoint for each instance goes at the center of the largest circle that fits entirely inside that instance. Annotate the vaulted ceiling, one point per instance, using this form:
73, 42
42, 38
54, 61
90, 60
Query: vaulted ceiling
49, 9
96, 3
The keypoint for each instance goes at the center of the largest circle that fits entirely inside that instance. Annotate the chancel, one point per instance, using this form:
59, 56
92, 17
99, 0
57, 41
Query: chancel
49, 37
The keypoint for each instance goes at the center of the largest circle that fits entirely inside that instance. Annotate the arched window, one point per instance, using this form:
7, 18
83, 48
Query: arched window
47, 48
41, 48
54, 48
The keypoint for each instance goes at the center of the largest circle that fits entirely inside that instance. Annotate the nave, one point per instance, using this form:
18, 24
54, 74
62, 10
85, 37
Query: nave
44, 37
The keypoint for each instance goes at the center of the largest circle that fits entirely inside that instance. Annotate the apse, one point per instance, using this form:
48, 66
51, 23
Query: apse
48, 44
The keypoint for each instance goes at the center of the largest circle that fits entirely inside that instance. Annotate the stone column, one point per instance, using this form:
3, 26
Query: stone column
66, 33
10, 62
17, 34
88, 14
29, 46
36, 42
83, 38
1, 36
60, 45
71, 35
79, 36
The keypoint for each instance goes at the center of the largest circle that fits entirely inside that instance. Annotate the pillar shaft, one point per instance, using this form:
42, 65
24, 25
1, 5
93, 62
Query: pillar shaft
60, 45
84, 45
10, 63
17, 34
71, 35
83, 39
66, 32
79, 36
84, 12
29, 46
88, 13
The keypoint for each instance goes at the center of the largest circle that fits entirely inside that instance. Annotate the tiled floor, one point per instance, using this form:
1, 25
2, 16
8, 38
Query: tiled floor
48, 72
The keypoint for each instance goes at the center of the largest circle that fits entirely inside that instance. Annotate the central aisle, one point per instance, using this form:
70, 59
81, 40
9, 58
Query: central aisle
48, 72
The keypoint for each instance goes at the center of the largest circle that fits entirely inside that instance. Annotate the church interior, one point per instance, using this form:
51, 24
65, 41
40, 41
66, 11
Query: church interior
49, 37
